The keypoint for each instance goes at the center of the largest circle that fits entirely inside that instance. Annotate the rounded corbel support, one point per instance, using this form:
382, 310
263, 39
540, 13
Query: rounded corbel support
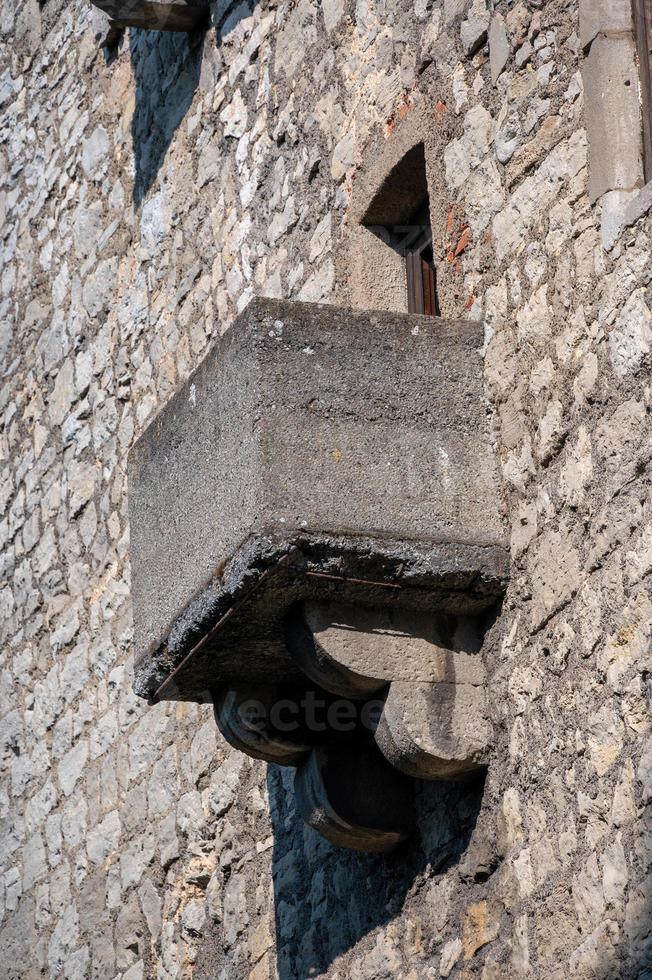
354, 799
435, 731
321, 641
250, 719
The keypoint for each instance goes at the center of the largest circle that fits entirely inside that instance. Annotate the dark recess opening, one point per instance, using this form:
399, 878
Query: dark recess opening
400, 215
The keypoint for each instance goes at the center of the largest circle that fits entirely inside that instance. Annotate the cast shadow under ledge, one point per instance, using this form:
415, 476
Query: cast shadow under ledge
167, 67
327, 899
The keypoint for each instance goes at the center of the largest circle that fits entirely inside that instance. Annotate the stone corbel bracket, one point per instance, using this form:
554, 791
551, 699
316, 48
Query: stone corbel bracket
316, 548
156, 15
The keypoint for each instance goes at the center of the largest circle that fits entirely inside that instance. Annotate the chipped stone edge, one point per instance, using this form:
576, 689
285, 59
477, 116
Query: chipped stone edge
621, 210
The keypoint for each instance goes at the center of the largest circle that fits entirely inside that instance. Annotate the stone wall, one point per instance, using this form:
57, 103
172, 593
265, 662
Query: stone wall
146, 196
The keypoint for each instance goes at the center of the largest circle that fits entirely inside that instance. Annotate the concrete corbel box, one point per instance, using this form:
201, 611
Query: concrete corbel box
317, 508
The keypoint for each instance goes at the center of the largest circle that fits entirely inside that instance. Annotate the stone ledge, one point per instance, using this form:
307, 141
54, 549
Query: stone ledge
613, 116
604, 17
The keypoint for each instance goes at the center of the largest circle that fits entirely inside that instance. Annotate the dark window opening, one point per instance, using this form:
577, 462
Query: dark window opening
643, 20
420, 267
400, 215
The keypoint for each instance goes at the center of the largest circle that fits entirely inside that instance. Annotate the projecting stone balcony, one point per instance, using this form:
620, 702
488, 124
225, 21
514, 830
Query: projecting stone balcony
156, 15
315, 517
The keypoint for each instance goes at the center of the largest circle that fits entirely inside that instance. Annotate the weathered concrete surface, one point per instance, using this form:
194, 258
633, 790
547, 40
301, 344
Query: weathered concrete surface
156, 15
310, 424
613, 116
604, 17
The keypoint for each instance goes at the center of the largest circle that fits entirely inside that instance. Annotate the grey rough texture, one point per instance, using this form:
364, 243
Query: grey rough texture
310, 421
613, 116
544, 872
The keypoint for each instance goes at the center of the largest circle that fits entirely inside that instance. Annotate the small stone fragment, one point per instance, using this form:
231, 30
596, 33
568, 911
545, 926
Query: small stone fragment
498, 46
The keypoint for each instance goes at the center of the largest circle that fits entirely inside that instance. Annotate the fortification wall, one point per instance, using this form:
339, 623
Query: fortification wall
145, 198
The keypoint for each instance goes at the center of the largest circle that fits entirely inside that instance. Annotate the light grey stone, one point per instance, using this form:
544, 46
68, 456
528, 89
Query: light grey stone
611, 88
74, 673
631, 338
135, 972
203, 751
105, 31
164, 787
34, 861
154, 224
208, 166
64, 393
63, 941
473, 30
638, 205
95, 154
282, 222
453, 9
99, 287
136, 858
103, 839
449, 957
499, 47
168, 840
236, 917
615, 873
222, 792
193, 918
147, 741
190, 813
76, 966
71, 767
319, 286
151, 906
344, 155
615, 207
604, 17
214, 892
103, 734
234, 116
333, 11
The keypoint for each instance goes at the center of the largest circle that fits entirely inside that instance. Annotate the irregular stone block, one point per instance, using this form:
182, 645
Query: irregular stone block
604, 17
156, 15
613, 116
473, 30
105, 31
498, 46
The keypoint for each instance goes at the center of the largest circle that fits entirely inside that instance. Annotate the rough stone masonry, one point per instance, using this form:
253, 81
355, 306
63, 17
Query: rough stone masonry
149, 190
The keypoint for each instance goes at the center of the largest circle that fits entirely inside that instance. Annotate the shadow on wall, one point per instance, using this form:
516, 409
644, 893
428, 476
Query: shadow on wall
166, 67
327, 899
